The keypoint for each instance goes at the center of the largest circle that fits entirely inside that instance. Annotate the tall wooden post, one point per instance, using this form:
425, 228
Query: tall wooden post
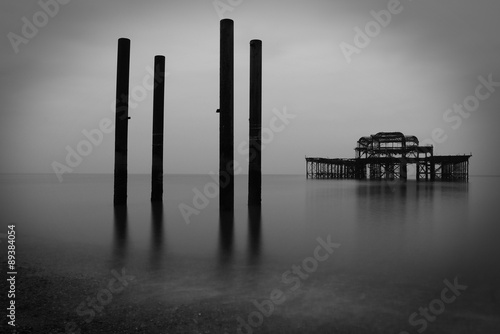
158, 111
255, 131
226, 125
121, 122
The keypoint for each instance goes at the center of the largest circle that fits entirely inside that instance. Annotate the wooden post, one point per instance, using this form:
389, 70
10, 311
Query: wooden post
158, 111
121, 122
226, 125
255, 130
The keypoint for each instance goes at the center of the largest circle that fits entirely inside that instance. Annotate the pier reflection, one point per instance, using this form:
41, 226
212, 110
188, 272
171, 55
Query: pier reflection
408, 227
120, 220
254, 234
157, 243
226, 238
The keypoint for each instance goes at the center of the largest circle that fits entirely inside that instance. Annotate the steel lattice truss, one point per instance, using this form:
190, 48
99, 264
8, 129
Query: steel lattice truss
386, 155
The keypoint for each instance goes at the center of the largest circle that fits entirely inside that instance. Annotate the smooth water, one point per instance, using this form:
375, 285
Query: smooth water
398, 241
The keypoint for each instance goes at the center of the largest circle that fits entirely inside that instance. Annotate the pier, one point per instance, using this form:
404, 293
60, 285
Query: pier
385, 156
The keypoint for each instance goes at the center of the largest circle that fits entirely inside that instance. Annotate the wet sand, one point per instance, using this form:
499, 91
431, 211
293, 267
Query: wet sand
48, 302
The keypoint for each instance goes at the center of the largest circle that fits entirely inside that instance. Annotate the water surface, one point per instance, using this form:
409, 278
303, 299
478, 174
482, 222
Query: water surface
398, 241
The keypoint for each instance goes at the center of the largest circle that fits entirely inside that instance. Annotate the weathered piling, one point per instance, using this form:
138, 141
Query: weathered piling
255, 130
121, 122
158, 111
226, 111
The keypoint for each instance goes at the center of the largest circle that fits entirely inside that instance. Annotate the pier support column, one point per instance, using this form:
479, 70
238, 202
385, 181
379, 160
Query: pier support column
226, 125
433, 168
121, 122
403, 170
158, 111
255, 130
467, 168
426, 167
417, 167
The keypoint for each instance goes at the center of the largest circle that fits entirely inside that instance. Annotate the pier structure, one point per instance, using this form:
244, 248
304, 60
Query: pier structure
385, 156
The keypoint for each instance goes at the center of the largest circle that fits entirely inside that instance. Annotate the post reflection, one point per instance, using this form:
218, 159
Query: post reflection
254, 234
120, 219
156, 235
226, 236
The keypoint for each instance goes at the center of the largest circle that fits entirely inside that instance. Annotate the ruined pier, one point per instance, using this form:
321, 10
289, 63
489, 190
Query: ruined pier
386, 156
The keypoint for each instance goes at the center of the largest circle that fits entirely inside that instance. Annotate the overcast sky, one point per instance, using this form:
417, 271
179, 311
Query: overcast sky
60, 80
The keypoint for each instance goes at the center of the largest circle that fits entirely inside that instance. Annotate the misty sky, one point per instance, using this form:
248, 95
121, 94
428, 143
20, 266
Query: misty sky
426, 59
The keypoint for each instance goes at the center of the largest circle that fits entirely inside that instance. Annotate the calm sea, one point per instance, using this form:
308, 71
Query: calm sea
396, 242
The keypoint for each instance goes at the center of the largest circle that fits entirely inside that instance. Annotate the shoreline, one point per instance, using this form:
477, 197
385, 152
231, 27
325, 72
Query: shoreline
48, 303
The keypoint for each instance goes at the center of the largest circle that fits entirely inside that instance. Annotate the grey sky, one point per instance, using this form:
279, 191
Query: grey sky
428, 58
